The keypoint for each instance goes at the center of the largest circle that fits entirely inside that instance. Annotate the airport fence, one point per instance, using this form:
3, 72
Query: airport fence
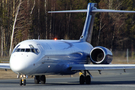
124, 57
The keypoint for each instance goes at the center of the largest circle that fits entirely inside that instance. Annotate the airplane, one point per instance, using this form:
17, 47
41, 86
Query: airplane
63, 57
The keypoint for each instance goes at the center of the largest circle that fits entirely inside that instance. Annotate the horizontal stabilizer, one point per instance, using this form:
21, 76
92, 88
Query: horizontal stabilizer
95, 10
68, 11
112, 11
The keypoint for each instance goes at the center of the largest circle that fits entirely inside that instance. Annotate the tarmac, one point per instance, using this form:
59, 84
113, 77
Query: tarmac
108, 80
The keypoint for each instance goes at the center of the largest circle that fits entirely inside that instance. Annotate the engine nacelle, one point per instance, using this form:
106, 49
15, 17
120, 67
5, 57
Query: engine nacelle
100, 55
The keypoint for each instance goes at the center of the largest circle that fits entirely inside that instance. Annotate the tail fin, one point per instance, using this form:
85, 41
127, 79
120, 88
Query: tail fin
88, 26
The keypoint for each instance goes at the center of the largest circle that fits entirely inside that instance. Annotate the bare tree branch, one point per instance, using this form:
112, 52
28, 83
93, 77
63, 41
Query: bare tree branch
18, 8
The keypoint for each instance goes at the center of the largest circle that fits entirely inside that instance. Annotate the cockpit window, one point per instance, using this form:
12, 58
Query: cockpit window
37, 51
22, 50
18, 50
31, 46
31, 49
34, 50
28, 50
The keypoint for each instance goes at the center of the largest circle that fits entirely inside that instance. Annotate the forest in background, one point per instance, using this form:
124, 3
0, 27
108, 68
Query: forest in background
29, 19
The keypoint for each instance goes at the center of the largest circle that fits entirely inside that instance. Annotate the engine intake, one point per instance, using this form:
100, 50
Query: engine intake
100, 55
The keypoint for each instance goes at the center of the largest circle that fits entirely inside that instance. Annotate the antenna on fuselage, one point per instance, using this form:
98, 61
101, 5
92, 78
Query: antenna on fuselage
88, 26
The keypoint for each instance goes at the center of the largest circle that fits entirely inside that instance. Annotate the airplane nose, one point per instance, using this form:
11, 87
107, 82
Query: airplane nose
18, 64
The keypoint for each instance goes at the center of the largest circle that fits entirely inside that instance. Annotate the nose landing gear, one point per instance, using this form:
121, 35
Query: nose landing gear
23, 80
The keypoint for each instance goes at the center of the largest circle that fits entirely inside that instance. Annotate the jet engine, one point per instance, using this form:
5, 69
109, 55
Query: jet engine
100, 55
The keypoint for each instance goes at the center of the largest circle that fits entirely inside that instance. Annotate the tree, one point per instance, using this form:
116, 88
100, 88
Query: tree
15, 20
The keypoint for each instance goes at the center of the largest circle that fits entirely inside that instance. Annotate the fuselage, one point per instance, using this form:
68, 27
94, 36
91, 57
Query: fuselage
31, 57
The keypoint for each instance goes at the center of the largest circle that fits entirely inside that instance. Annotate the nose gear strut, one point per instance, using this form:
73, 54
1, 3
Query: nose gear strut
22, 80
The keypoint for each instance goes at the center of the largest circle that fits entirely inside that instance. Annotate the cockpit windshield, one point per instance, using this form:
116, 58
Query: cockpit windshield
31, 49
34, 50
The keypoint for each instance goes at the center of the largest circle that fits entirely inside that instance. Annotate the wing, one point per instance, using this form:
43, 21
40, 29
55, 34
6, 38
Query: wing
102, 67
4, 66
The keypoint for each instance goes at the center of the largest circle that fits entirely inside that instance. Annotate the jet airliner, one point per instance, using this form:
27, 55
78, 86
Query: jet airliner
63, 57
